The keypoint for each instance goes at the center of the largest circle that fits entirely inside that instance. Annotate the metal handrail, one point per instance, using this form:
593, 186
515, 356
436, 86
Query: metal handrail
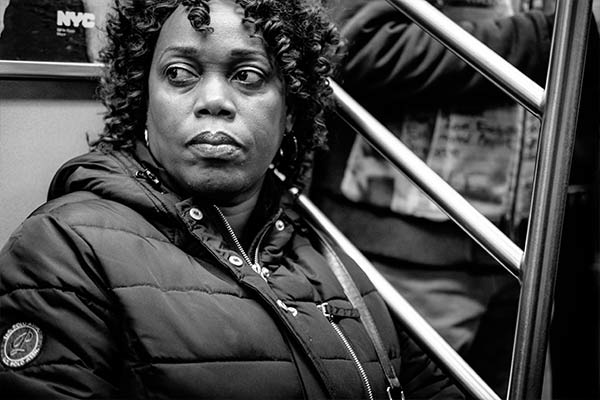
49, 69
416, 326
551, 178
499, 71
557, 137
449, 200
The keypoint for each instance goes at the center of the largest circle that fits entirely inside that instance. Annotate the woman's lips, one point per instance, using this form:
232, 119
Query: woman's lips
216, 145
214, 138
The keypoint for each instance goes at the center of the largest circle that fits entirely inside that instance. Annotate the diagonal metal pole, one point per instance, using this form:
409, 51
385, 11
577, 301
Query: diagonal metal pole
415, 324
549, 196
508, 78
439, 191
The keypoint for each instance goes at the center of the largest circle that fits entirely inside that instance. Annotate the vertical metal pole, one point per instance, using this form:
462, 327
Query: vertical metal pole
549, 196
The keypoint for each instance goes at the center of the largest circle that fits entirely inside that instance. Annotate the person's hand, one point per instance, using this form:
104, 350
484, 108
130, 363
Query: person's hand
596, 11
3, 5
94, 43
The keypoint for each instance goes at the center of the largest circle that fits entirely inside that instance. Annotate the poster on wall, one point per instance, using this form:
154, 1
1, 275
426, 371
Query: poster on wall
65, 31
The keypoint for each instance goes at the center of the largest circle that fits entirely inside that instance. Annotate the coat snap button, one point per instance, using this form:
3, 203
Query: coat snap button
279, 225
235, 260
196, 214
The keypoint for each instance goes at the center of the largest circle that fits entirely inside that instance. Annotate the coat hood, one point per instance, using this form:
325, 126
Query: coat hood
125, 176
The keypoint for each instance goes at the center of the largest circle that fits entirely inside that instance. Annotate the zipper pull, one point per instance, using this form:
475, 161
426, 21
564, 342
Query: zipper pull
323, 307
399, 391
332, 312
256, 268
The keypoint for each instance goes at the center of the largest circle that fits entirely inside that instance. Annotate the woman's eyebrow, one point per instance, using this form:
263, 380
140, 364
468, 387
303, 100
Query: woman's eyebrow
182, 50
241, 53
249, 53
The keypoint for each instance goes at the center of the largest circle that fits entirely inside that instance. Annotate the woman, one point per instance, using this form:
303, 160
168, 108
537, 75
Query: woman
168, 263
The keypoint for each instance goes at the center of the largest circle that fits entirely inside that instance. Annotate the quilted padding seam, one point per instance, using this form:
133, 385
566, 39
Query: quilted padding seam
177, 289
75, 226
53, 288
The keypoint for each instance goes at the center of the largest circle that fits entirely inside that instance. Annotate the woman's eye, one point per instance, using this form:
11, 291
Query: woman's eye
179, 75
249, 77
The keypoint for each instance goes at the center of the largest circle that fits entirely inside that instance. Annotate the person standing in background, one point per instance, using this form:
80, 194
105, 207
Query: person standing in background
469, 132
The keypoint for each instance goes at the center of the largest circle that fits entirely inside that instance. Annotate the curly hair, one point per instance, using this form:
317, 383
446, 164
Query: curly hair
299, 35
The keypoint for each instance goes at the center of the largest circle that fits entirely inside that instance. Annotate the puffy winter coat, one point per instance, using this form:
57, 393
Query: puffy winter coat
118, 288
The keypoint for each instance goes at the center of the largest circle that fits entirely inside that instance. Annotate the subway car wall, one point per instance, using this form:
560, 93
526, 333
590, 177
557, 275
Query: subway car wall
43, 123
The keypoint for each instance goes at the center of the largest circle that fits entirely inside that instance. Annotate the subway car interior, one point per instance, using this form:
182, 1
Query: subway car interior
50, 112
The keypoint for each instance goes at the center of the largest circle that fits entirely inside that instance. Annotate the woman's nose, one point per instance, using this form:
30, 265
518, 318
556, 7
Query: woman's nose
214, 97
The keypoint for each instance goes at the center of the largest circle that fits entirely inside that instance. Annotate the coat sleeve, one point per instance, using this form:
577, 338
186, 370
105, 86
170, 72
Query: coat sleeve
389, 57
49, 279
420, 376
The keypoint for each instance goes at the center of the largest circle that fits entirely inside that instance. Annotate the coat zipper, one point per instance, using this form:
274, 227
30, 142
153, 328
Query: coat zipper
263, 272
256, 267
346, 342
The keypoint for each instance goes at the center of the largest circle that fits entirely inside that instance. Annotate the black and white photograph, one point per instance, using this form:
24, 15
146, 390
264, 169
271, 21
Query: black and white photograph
300, 199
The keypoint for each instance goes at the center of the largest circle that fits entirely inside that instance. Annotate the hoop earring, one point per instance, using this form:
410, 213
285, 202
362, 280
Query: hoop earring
146, 138
289, 145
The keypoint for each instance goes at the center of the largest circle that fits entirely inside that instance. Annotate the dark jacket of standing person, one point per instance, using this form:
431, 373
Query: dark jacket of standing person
387, 52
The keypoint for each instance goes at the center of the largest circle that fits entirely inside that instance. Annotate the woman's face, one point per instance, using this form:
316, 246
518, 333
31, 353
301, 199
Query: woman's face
216, 108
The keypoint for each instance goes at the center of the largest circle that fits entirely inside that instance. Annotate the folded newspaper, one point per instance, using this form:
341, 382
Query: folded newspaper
486, 153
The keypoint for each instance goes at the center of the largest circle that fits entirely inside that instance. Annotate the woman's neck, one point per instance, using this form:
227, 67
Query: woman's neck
238, 215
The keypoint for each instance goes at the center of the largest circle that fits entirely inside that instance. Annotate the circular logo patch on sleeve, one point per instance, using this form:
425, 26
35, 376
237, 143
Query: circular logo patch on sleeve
21, 344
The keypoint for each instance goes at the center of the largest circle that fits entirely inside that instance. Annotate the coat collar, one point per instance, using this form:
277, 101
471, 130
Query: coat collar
268, 204
134, 178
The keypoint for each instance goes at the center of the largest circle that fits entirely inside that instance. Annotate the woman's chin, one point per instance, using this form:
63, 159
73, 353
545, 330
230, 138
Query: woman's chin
222, 189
